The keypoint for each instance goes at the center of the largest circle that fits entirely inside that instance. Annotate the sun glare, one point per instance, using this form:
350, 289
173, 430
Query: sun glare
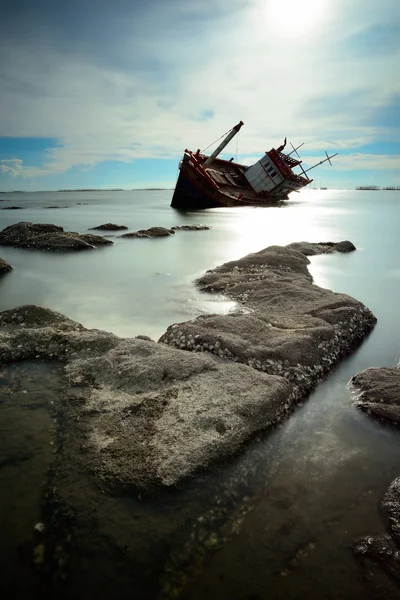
295, 17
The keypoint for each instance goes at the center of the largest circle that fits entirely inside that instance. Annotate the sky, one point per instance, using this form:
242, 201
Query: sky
108, 94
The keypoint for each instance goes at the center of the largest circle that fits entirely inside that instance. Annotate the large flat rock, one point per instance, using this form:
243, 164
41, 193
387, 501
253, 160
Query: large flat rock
286, 325
147, 413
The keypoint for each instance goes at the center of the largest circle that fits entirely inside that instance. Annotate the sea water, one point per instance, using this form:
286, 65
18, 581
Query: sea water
278, 520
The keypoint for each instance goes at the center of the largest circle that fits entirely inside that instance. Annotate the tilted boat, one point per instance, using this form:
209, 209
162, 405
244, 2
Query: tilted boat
211, 182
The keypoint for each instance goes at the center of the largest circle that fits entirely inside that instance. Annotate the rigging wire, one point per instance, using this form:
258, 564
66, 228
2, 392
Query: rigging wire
223, 135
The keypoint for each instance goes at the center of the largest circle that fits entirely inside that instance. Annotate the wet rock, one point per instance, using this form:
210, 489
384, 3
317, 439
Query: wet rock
44, 236
13, 208
385, 549
194, 227
147, 233
290, 327
312, 249
153, 413
4, 266
109, 227
148, 414
379, 392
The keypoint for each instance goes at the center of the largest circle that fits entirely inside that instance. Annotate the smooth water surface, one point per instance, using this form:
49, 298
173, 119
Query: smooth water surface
278, 520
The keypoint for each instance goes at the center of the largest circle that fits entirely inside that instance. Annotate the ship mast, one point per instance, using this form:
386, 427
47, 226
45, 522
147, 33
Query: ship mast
222, 145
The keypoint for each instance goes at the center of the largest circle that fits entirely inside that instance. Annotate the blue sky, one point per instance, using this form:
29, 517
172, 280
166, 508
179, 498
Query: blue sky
104, 94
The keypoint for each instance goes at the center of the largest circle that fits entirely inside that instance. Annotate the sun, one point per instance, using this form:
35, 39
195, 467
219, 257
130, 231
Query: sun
295, 17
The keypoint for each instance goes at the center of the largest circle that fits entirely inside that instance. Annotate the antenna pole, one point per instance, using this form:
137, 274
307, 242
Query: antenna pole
328, 158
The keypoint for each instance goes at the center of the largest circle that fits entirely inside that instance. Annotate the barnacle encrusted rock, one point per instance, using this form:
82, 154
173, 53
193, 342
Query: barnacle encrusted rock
290, 328
145, 413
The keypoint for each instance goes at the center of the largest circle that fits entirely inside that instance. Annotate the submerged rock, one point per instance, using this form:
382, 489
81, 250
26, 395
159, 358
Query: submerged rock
379, 392
385, 549
109, 227
147, 233
194, 227
45, 236
4, 266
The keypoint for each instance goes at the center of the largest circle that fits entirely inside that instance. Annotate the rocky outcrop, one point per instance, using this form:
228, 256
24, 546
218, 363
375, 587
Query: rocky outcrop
109, 227
379, 392
147, 413
44, 236
4, 267
194, 227
287, 326
310, 249
385, 549
148, 233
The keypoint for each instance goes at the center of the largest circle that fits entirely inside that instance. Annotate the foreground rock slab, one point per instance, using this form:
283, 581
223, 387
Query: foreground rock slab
45, 236
379, 392
286, 325
144, 413
4, 267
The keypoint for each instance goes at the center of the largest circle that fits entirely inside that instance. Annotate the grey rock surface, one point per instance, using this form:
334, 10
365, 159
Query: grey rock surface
147, 413
148, 233
379, 392
286, 325
44, 236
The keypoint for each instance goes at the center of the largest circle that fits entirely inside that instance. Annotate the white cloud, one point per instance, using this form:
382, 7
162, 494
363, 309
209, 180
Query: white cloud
12, 166
242, 69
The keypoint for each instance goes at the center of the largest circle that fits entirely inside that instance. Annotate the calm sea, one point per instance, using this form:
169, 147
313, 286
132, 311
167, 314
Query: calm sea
278, 520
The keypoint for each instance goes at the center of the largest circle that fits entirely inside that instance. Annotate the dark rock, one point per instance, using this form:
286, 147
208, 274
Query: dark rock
312, 249
194, 227
109, 227
147, 233
385, 549
379, 392
44, 236
13, 208
4, 266
56, 206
